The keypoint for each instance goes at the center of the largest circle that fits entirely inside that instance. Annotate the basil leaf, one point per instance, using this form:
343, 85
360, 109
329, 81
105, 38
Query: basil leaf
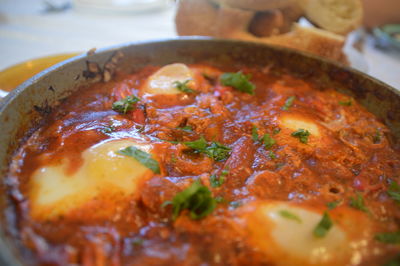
323, 226
358, 202
288, 103
197, 199
388, 237
302, 135
125, 105
183, 87
238, 81
141, 156
289, 215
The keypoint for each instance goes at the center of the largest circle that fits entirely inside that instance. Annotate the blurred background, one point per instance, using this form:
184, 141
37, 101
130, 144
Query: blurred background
39, 33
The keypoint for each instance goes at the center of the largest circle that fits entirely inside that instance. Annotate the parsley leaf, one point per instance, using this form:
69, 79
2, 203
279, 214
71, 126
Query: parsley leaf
323, 226
333, 204
238, 81
394, 191
377, 137
268, 141
186, 128
358, 203
215, 150
346, 103
126, 104
183, 87
218, 181
302, 135
141, 156
289, 215
197, 199
288, 103
389, 237
254, 133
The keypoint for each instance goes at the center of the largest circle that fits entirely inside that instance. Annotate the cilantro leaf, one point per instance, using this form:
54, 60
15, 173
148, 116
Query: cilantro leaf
141, 156
302, 135
289, 215
288, 103
218, 181
125, 105
186, 128
333, 204
276, 131
394, 191
357, 202
346, 103
323, 226
377, 137
183, 86
272, 155
197, 199
389, 237
254, 133
238, 81
268, 141
215, 150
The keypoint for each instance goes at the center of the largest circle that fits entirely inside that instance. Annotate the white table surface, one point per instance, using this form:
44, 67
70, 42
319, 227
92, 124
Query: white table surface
27, 32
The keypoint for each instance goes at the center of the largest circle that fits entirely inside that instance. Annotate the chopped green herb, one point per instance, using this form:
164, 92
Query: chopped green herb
137, 242
394, 261
288, 103
254, 133
279, 165
183, 86
323, 226
108, 130
238, 81
377, 137
126, 104
215, 150
272, 155
346, 103
302, 135
220, 199
235, 204
186, 128
143, 157
394, 191
276, 131
218, 181
197, 199
268, 141
358, 203
389, 237
333, 204
289, 215
173, 159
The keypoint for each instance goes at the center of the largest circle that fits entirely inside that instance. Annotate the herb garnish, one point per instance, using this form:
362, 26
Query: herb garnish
288, 103
254, 133
107, 130
377, 137
215, 150
143, 157
183, 86
302, 135
394, 261
238, 81
220, 199
394, 191
333, 204
346, 103
197, 199
290, 215
358, 202
186, 128
268, 141
218, 181
235, 204
126, 104
389, 237
276, 131
272, 155
323, 226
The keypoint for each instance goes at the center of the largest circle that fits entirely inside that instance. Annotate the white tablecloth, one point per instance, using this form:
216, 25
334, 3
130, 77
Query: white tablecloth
27, 32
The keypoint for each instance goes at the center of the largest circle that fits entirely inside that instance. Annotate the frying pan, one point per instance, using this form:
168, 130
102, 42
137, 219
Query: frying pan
24, 108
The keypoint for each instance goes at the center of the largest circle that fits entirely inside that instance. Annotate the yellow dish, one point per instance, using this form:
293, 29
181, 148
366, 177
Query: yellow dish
13, 76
